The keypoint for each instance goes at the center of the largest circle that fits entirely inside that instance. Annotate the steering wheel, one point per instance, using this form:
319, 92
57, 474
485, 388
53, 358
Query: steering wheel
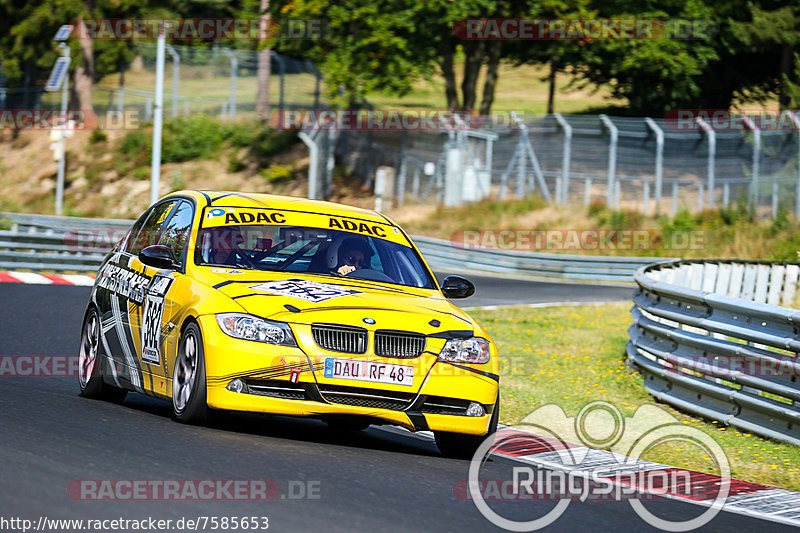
247, 260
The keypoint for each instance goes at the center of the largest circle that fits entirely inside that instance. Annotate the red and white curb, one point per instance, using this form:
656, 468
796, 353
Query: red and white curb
32, 278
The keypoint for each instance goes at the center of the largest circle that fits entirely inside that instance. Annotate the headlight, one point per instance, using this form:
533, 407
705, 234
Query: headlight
252, 328
474, 350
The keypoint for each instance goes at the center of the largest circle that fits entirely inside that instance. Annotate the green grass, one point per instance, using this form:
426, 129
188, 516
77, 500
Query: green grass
570, 356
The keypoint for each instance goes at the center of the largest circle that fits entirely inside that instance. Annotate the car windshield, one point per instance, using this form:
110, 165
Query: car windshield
312, 250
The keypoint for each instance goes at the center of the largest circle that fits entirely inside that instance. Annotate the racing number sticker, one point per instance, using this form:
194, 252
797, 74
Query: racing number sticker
304, 289
151, 319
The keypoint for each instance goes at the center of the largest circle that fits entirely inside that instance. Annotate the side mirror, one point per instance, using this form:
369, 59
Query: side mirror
158, 256
457, 287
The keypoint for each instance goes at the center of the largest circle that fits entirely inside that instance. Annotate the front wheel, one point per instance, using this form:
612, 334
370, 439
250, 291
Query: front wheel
90, 372
189, 378
460, 446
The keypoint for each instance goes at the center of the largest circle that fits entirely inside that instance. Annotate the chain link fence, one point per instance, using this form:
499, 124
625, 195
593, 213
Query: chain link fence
641, 164
215, 80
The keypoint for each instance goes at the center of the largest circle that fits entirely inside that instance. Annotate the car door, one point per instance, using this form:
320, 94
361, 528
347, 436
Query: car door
153, 321
117, 285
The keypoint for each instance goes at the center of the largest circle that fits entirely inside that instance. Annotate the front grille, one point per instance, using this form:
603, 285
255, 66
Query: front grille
276, 389
345, 339
437, 405
376, 399
400, 344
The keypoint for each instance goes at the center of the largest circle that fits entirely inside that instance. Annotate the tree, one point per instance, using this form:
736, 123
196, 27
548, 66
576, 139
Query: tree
775, 30
386, 45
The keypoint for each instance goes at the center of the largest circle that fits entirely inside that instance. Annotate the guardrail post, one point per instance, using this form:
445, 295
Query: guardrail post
587, 193
756, 157
659, 159
562, 192
700, 192
234, 68
774, 198
176, 66
646, 198
726, 195
712, 152
796, 122
674, 198
400, 182
313, 163
148, 109
612, 159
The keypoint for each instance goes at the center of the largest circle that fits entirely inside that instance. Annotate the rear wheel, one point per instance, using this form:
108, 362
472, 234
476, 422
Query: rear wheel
462, 446
189, 378
90, 363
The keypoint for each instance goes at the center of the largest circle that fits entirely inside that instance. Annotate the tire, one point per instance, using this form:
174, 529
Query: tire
90, 363
189, 378
460, 446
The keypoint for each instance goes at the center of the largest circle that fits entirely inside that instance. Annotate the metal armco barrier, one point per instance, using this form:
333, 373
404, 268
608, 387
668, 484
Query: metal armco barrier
720, 339
42, 242
443, 255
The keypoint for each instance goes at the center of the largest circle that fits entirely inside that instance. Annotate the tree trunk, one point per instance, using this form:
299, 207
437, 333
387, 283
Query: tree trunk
446, 63
551, 88
495, 48
786, 69
474, 52
84, 71
262, 101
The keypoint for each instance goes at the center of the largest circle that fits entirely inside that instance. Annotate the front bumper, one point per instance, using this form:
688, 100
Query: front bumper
281, 380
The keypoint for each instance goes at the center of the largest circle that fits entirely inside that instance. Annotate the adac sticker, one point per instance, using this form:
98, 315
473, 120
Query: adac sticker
309, 291
225, 271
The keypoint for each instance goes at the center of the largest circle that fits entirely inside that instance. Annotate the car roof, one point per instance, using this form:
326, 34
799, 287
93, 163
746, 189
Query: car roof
269, 201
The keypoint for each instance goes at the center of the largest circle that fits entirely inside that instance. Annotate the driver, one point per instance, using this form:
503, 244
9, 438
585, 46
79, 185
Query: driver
354, 254
226, 246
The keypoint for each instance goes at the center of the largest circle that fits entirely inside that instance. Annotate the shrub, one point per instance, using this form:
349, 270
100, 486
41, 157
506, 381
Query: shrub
98, 136
276, 173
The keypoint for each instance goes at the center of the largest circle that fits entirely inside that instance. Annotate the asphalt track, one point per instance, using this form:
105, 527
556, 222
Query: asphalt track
381, 479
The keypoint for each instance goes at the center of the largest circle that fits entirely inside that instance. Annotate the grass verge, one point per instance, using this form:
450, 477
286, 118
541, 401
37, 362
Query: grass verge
573, 355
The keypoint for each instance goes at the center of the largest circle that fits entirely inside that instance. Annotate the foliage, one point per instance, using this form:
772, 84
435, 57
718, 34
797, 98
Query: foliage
277, 173
98, 136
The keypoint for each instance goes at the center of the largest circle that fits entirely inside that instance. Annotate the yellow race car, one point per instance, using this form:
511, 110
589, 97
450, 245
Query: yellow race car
251, 302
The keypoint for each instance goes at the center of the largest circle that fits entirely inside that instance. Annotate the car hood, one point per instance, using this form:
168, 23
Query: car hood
306, 299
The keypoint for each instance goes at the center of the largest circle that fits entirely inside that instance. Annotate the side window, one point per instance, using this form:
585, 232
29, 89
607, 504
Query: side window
175, 233
130, 238
150, 233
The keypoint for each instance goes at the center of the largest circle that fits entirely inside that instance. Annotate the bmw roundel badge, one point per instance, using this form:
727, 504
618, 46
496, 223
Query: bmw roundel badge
369, 321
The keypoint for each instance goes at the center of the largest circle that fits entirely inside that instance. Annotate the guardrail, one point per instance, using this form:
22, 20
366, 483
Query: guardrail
443, 255
43, 242
719, 339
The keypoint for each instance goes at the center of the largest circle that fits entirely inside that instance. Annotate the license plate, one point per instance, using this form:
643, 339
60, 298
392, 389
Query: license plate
369, 371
